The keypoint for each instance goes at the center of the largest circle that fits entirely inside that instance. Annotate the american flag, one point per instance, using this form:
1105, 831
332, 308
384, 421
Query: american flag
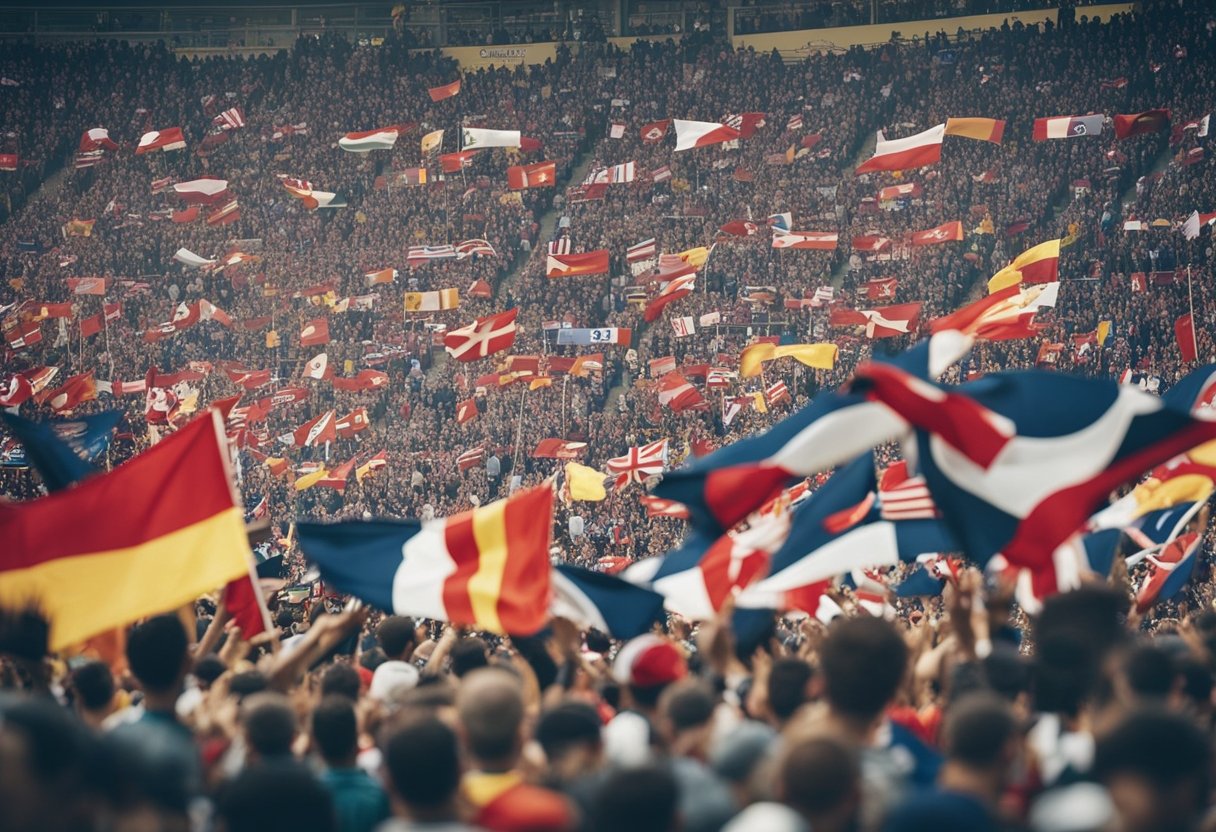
559, 246
230, 119
471, 458
639, 463
795, 123
417, 254
824, 294
904, 497
718, 377
661, 174
777, 393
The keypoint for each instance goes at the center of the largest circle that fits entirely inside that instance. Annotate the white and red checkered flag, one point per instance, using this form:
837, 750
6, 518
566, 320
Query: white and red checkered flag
639, 463
485, 336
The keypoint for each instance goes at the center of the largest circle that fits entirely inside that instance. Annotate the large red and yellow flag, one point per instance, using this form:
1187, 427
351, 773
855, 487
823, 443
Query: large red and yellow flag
146, 538
1037, 264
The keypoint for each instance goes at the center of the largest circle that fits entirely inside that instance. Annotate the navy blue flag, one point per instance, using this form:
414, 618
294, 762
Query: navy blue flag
62, 450
605, 602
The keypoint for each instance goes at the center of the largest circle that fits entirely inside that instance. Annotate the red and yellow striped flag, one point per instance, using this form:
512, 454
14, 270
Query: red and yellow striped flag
146, 538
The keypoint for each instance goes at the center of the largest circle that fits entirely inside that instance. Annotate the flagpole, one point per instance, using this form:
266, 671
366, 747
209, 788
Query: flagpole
565, 384
519, 427
1190, 297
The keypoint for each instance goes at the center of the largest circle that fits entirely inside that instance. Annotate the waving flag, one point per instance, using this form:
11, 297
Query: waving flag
841, 528
444, 91
369, 140
61, 450
1067, 127
487, 568
367, 469
639, 464
485, 336
981, 129
1003, 315
431, 142
690, 134
573, 265
1168, 572
148, 537
456, 162
822, 241
365, 380
315, 333
231, 119
658, 507
1017, 462
882, 322
303, 190
723, 488
466, 411
945, 233
655, 131
558, 449
539, 175
917, 151
476, 138
169, 139
1038, 264
603, 602
316, 431
1136, 124
17, 391
680, 287
815, 356
74, 392
679, 394
205, 191
432, 301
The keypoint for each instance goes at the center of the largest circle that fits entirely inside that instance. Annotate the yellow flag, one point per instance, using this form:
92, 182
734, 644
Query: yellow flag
1153, 495
1205, 454
309, 480
753, 356
695, 256
272, 339
539, 382
432, 141
585, 483
815, 356
1103, 332
759, 403
1037, 262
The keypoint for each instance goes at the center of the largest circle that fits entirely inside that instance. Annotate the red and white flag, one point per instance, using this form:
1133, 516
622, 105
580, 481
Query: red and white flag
655, 131
559, 246
679, 394
229, 212
820, 241
318, 367
74, 392
690, 134
315, 333
97, 138
641, 251
945, 233
658, 507
661, 174
88, 285
1067, 127
776, 393
471, 458
316, 431
924, 148
485, 336
231, 119
904, 497
368, 140
205, 191
169, 139
364, 380
880, 322
352, 423
378, 277
539, 175
571, 265
680, 287
466, 411
615, 175
444, 91
795, 123
882, 288
639, 464
871, 243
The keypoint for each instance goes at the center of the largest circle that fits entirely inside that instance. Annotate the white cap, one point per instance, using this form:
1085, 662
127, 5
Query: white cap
392, 678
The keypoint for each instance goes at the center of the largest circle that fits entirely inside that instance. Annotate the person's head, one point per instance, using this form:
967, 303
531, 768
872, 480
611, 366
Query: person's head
1158, 769
391, 681
686, 709
490, 707
341, 680
789, 687
637, 799
396, 636
469, 654
284, 797
207, 669
981, 737
569, 734
863, 662
158, 655
819, 778
93, 687
645, 667
1151, 673
422, 766
269, 725
335, 731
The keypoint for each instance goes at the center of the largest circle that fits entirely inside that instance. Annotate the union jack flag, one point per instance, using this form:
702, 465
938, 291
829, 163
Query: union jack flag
639, 463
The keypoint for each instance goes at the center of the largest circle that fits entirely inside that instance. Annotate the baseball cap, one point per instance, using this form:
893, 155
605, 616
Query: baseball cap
647, 661
391, 679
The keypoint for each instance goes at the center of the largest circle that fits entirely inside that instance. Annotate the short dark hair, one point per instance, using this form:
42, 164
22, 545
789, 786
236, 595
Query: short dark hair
283, 795
247, 684
469, 654
209, 668
94, 685
270, 724
1163, 748
422, 757
335, 729
690, 704
371, 659
567, 725
342, 680
863, 662
156, 652
396, 634
816, 774
643, 799
977, 728
1150, 671
1063, 674
787, 683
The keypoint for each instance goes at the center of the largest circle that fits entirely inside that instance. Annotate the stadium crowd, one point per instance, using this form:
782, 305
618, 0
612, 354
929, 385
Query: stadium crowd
959, 711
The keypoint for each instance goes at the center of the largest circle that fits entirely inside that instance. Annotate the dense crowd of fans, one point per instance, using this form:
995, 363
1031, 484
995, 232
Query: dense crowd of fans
960, 713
